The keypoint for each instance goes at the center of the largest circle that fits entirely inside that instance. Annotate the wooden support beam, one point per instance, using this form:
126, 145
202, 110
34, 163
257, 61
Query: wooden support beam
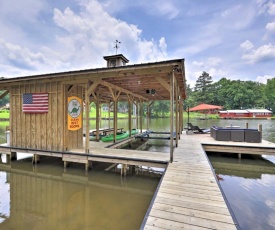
115, 96
35, 159
65, 164
123, 169
87, 120
71, 88
140, 114
93, 86
163, 83
117, 88
111, 167
181, 114
115, 120
172, 116
4, 94
109, 115
97, 119
130, 105
177, 114
87, 166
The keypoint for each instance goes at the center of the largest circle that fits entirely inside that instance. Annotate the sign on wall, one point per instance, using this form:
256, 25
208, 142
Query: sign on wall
74, 113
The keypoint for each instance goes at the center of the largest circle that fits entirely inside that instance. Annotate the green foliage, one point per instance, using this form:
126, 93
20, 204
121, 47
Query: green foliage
5, 100
232, 94
270, 94
203, 88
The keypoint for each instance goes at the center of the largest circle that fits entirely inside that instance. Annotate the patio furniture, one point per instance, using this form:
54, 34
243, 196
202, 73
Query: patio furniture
197, 129
222, 134
253, 136
237, 135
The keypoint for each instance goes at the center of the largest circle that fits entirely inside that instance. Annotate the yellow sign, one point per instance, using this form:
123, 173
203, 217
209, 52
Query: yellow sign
74, 113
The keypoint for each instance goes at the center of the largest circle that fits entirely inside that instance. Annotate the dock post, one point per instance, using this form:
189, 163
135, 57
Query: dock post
13, 156
239, 156
172, 88
260, 127
87, 166
246, 125
123, 170
35, 159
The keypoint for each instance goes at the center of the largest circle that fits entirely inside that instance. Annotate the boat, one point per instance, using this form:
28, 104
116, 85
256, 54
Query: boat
93, 137
134, 131
119, 135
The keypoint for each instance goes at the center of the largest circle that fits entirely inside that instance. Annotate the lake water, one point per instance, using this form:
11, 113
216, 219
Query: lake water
46, 197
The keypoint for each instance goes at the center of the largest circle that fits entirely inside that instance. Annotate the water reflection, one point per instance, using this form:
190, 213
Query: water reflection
249, 187
46, 197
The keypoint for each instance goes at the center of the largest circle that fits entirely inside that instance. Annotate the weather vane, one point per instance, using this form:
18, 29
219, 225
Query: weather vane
116, 46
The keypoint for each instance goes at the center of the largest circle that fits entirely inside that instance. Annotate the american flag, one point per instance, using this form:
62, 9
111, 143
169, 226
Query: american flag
35, 103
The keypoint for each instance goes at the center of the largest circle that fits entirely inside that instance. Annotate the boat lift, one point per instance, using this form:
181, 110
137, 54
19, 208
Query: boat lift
146, 135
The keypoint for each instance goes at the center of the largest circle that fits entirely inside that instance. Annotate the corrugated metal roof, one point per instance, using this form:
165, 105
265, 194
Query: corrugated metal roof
259, 111
234, 111
246, 111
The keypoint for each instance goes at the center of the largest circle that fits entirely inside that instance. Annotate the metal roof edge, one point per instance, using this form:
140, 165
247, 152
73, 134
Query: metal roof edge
85, 71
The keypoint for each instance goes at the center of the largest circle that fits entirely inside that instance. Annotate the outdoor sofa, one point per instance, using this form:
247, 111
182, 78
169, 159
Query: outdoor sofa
235, 134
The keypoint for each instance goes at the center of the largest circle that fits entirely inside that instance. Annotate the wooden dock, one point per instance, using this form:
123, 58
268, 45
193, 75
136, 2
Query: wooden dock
189, 196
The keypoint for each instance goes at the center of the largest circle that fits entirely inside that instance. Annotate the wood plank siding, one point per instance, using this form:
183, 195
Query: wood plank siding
37, 131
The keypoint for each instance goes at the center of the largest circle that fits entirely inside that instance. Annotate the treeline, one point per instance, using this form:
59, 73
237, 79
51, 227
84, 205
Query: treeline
232, 94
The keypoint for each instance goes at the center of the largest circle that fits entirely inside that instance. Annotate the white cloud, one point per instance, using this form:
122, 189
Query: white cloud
82, 37
270, 26
27, 10
263, 53
214, 61
247, 45
239, 16
149, 51
163, 46
199, 64
93, 32
263, 79
20, 56
271, 9
164, 8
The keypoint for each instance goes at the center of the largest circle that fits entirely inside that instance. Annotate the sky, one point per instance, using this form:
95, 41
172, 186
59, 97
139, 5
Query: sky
233, 39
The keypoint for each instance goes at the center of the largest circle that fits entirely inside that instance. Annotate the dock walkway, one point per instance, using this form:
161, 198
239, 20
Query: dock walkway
189, 196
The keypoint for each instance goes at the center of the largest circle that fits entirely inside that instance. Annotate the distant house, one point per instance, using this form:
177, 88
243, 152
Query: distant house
253, 113
259, 113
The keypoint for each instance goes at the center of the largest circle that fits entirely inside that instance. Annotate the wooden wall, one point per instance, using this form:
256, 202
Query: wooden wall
46, 131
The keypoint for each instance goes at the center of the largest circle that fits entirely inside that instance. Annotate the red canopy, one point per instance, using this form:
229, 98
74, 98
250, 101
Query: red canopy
205, 107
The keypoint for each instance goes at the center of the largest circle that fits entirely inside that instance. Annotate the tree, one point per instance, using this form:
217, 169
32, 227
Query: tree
202, 87
270, 94
190, 100
161, 108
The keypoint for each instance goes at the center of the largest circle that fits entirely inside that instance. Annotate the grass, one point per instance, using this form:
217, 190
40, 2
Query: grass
4, 114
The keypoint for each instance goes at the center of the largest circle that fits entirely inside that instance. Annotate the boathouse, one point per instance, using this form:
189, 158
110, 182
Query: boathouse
245, 113
47, 112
